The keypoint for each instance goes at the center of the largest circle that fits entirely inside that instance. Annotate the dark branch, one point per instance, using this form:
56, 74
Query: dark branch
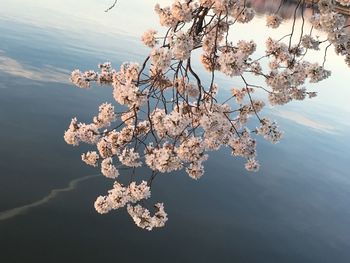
112, 6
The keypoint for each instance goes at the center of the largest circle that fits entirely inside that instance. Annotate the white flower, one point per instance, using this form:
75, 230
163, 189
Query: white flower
108, 169
143, 218
252, 165
138, 192
309, 42
344, 2
148, 38
105, 148
163, 159
128, 94
102, 205
170, 115
243, 145
165, 16
90, 158
106, 115
119, 196
161, 58
243, 14
181, 45
273, 21
317, 73
80, 80
182, 11
81, 132
232, 63
130, 158
191, 149
175, 123
70, 135
269, 130
157, 118
246, 47
239, 94
195, 170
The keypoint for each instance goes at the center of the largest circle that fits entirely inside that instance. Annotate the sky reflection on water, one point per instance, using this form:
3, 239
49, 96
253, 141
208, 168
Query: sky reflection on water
296, 209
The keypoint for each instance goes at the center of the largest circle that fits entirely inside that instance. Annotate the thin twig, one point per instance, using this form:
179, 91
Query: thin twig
112, 6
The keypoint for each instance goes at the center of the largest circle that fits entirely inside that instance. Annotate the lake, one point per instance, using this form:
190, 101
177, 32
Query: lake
295, 209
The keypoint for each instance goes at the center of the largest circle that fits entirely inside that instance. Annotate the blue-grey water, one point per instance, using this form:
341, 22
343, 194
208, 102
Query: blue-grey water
295, 209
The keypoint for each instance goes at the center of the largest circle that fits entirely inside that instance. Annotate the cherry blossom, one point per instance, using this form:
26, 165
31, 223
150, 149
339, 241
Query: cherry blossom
166, 117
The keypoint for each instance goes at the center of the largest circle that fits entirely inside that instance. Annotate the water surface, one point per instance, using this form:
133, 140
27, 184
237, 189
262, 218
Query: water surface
295, 209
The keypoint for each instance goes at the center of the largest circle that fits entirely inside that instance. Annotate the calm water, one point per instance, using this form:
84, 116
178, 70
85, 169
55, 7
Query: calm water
295, 209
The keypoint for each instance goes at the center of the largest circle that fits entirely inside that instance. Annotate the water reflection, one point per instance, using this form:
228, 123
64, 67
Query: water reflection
286, 8
47, 73
6, 215
296, 209
305, 121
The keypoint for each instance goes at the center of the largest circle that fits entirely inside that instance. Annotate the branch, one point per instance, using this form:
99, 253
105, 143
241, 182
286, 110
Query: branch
112, 6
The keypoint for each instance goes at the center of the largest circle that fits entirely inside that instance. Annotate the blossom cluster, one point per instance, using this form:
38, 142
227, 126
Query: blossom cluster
344, 2
119, 196
168, 119
329, 21
273, 21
